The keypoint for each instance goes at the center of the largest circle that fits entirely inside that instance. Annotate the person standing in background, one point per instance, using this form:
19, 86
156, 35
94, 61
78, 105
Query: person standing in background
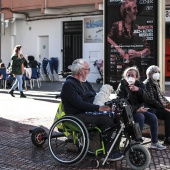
17, 69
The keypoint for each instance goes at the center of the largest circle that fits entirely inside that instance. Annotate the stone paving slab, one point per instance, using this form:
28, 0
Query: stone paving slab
18, 116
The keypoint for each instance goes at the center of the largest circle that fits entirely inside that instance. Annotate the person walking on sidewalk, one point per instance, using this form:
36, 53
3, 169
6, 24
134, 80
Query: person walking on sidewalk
17, 69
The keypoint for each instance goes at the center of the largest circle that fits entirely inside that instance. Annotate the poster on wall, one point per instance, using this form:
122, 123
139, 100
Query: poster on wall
93, 30
130, 37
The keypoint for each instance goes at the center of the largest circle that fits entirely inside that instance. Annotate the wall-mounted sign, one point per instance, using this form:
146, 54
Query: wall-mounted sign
93, 30
130, 37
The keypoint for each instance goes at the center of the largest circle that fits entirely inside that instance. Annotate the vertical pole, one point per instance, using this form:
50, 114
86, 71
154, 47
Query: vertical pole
161, 41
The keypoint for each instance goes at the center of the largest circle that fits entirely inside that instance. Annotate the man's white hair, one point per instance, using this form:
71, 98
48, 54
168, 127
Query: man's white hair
77, 65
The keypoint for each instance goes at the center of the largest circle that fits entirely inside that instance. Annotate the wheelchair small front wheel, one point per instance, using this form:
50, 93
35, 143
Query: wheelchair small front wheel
38, 137
70, 146
138, 157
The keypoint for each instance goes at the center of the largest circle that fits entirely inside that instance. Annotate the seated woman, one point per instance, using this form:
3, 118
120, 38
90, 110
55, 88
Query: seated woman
133, 89
78, 95
32, 62
2, 65
158, 102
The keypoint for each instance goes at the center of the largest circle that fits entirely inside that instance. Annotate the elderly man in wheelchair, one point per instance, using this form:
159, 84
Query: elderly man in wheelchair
78, 95
79, 121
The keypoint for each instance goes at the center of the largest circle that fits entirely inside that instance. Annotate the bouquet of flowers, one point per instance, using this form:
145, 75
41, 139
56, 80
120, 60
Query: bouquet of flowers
103, 95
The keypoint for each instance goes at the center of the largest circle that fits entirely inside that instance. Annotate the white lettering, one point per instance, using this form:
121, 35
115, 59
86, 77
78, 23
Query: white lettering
146, 2
149, 8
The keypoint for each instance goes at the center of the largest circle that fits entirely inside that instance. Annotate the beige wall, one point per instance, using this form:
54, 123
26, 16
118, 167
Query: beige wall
24, 6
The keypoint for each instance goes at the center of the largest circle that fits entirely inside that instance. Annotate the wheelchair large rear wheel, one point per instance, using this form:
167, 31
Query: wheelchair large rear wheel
70, 145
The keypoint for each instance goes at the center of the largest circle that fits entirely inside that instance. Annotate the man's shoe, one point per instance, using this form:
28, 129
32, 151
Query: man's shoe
11, 92
115, 156
157, 146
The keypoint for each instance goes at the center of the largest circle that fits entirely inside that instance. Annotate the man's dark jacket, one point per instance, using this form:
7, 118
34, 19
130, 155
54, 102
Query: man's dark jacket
78, 97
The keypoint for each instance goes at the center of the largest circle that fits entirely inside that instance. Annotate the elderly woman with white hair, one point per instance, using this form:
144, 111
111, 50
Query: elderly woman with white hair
158, 102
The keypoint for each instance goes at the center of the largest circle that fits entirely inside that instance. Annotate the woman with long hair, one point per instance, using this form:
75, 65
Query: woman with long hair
17, 69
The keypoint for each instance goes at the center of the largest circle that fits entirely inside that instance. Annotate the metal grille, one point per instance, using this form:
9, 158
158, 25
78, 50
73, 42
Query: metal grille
72, 42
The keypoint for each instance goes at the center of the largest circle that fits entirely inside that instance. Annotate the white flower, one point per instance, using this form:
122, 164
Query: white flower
103, 95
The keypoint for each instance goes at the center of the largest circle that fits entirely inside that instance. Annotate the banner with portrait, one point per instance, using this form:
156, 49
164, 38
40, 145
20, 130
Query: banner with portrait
130, 37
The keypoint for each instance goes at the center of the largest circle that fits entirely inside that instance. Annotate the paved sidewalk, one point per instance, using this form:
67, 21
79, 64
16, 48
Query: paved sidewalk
19, 115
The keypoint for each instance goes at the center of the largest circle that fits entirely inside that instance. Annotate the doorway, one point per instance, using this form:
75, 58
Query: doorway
43, 48
72, 42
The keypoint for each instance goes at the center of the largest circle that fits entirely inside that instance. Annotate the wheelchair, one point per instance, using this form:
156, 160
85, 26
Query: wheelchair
69, 140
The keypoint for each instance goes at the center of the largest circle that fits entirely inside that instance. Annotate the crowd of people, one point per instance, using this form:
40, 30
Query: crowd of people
146, 99
148, 104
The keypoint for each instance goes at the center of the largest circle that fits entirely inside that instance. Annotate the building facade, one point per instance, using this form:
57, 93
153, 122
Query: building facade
54, 28
67, 29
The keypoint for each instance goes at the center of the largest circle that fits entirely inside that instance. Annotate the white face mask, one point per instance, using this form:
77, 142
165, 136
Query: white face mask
130, 80
156, 76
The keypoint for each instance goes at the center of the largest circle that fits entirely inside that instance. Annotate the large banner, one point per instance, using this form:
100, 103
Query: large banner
130, 37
